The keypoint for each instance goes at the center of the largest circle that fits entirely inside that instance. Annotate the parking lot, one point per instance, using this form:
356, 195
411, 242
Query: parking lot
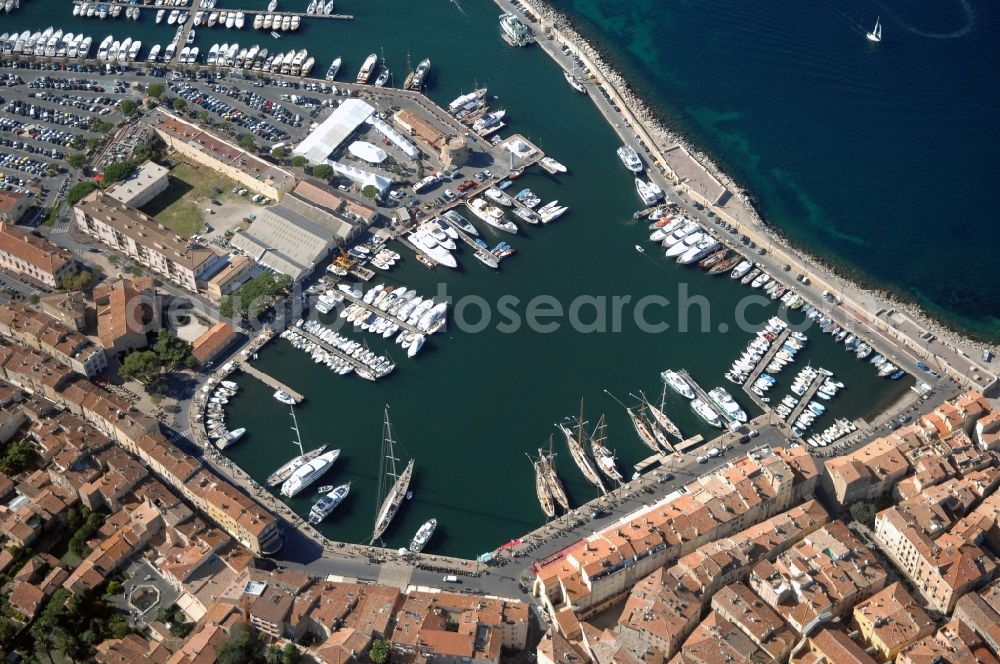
47, 116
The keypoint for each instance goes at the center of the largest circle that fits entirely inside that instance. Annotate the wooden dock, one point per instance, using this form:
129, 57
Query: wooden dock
701, 394
764, 361
270, 381
382, 314
354, 362
806, 397
689, 443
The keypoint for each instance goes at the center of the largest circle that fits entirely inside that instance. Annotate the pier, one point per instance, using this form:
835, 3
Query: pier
689, 443
806, 397
701, 394
381, 314
356, 364
270, 381
764, 361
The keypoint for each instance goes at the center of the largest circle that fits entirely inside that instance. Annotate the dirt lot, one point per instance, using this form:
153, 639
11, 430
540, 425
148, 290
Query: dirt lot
182, 207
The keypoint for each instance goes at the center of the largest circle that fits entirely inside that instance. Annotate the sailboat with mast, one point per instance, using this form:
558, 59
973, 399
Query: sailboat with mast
604, 457
545, 497
876, 34
392, 485
661, 417
579, 454
284, 472
552, 480
642, 429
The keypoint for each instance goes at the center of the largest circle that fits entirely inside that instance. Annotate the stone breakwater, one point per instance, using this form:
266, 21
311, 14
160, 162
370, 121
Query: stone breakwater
560, 27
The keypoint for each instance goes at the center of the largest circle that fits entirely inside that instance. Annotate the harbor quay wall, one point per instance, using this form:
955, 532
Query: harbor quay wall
898, 329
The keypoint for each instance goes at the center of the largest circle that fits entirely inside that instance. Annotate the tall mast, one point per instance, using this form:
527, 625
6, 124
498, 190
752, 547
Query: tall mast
295, 428
386, 465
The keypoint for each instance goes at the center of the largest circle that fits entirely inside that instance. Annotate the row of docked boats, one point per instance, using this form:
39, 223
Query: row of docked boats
806, 414
111, 50
318, 7
48, 42
853, 343
398, 311
724, 403
832, 433
231, 20
339, 353
276, 22
215, 424
296, 63
103, 10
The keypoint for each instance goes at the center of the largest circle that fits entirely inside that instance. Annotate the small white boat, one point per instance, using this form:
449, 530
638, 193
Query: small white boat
876, 34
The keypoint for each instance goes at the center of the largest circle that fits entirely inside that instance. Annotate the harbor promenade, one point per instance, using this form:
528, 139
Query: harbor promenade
894, 333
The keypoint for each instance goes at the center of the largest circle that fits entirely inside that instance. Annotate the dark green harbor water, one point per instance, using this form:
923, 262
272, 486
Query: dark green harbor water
471, 406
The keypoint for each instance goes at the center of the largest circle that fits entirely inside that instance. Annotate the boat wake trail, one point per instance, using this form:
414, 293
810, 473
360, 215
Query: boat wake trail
970, 23
455, 2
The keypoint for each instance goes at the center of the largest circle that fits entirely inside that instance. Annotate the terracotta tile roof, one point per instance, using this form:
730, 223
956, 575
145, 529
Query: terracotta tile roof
32, 249
208, 345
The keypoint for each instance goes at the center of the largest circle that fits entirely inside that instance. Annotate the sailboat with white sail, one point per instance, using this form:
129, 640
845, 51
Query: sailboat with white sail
876, 34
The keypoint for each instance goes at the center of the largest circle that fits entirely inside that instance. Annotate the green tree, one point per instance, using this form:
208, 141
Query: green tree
173, 352
226, 309
34, 298
128, 107
155, 90
79, 190
290, 654
118, 171
279, 153
141, 153
204, 117
118, 626
76, 160
178, 104
246, 142
379, 653
101, 126
8, 630
142, 366
113, 588
77, 281
863, 512
243, 646
322, 171
370, 191
298, 161
17, 457
272, 654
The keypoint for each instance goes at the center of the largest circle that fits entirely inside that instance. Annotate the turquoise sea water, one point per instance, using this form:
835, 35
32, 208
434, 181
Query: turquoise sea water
472, 405
880, 158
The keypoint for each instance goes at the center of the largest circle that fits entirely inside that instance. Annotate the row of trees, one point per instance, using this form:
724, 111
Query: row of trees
256, 295
73, 623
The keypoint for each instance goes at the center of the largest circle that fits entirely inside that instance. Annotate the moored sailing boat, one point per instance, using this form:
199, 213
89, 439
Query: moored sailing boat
552, 480
284, 472
661, 417
575, 442
642, 430
545, 498
602, 455
391, 496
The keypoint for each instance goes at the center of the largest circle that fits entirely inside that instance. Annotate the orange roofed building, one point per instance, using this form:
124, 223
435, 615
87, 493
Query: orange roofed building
596, 571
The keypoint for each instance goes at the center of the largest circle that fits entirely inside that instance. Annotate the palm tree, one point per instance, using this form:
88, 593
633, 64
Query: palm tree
272, 655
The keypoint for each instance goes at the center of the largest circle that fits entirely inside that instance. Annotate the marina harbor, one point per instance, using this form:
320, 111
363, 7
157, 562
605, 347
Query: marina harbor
590, 341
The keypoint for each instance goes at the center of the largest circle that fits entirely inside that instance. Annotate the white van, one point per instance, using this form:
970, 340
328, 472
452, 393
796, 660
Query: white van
451, 578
